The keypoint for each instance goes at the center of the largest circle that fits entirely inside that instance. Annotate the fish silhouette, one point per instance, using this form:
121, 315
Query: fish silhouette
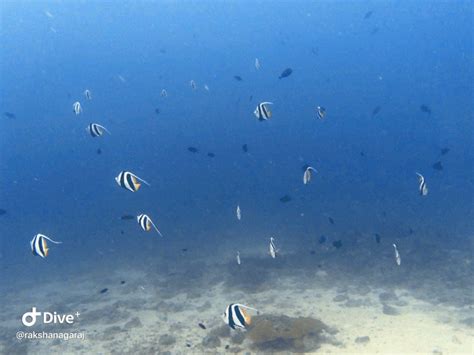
285, 73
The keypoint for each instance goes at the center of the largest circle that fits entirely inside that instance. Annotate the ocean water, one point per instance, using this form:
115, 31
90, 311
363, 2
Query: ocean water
396, 81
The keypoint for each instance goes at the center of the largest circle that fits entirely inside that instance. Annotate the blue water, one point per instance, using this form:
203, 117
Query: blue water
404, 55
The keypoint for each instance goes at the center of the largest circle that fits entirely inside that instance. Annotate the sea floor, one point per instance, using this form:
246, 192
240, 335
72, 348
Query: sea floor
155, 307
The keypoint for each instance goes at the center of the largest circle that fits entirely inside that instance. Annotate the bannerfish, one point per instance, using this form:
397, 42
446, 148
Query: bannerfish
96, 130
368, 14
377, 238
157, 111
422, 187
164, 93
425, 109
193, 149
272, 248
39, 246
126, 217
235, 316
237, 77
257, 64
129, 181
146, 223
322, 239
437, 166
238, 212
308, 174
238, 258
321, 112
444, 151
263, 112
285, 73
398, 259
211, 155
192, 83
88, 94
9, 114
337, 244
245, 148
76, 107
285, 199
375, 111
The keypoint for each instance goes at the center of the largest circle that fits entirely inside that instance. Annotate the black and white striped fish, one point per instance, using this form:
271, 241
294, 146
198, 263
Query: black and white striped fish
235, 316
88, 94
422, 187
272, 248
164, 93
263, 112
129, 181
193, 85
76, 107
146, 223
321, 112
238, 212
308, 174
39, 246
96, 130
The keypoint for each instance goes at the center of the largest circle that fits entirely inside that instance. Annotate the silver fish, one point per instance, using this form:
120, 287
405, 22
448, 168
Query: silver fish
272, 248
257, 64
238, 258
88, 94
308, 174
398, 260
422, 187
238, 213
76, 107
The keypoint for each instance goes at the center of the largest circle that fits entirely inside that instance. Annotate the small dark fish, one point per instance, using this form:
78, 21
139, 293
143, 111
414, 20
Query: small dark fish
188, 345
211, 155
362, 154
245, 148
9, 114
374, 30
315, 51
285, 73
193, 150
99, 151
375, 111
104, 290
126, 217
411, 231
2, 211
238, 77
285, 199
322, 239
437, 166
377, 238
121, 231
251, 97
227, 346
202, 326
444, 151
425, 109
312, 252
331, 220
368, 14
122, 282
184, 250
157, 111
337, 244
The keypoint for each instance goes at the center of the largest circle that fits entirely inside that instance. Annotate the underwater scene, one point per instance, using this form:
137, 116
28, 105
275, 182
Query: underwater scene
226, 176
